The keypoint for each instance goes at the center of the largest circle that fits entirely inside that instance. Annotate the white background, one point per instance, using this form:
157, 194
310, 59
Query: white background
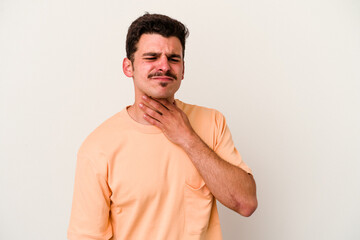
285, 73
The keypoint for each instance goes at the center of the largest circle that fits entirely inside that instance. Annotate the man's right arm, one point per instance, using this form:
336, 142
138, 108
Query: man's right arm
91, 201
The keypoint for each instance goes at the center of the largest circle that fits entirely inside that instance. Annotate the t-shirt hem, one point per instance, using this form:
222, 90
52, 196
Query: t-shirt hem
77, 236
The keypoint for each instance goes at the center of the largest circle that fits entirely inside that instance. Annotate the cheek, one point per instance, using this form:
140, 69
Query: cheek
180, 71
145, 69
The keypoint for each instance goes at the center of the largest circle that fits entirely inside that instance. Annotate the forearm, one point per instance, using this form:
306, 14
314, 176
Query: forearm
231, 185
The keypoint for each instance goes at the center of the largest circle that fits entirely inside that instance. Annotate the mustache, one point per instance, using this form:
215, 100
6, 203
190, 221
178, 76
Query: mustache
161, 74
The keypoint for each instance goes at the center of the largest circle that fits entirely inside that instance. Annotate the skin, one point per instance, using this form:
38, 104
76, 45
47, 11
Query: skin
154, 104
155, 55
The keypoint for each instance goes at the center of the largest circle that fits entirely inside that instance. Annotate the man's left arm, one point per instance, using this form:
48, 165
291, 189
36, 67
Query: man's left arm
231, 185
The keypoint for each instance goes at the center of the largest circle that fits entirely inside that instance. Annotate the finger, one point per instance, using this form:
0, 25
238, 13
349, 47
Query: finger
168, 105
151, 112
156, 104
151, 107
153, 121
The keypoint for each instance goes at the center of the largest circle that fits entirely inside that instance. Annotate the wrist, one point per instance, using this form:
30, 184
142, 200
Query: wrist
190, 141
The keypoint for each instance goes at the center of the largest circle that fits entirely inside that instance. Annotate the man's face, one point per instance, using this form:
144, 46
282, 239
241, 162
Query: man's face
158, 66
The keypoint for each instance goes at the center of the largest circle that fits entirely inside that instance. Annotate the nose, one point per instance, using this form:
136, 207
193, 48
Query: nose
163, 64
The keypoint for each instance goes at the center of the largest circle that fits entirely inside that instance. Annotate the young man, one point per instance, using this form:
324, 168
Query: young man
154, 170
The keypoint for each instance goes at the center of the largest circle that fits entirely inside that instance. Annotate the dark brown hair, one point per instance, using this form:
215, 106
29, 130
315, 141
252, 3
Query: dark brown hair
154, 23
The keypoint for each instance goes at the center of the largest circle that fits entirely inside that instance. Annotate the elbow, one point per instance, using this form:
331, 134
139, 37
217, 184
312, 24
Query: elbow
247, 208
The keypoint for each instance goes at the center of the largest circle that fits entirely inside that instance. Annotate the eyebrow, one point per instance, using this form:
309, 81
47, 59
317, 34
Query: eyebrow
154, 54
150, 54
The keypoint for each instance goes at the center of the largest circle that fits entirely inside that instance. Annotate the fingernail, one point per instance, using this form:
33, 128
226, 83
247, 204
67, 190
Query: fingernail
141, 105
144, 97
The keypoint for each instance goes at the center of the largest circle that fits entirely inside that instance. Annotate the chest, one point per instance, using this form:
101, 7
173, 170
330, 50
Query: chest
147, 167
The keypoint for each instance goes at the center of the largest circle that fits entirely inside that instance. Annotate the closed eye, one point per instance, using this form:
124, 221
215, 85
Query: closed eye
150, 58
174, 59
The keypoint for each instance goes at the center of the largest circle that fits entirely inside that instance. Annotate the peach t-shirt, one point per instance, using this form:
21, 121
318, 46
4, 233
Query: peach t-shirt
131, 182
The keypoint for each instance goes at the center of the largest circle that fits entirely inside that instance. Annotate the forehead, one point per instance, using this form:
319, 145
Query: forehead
159, 44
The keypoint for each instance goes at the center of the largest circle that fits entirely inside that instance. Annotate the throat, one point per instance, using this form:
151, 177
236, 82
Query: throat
137, 114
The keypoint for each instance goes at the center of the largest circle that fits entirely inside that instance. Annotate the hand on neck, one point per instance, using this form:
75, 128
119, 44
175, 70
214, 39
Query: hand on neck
137, 114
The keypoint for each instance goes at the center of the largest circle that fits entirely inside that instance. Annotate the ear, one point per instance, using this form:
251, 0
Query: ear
127, 67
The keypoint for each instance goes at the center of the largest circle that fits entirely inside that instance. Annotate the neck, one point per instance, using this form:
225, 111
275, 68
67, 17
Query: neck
137, 114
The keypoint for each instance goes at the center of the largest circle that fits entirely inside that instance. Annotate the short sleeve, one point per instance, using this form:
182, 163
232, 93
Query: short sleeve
224, 145
91, 201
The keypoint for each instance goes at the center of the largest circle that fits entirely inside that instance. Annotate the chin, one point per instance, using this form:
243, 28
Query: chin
161, 95
156, 91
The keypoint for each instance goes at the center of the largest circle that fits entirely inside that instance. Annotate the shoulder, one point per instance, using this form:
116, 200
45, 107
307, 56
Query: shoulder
199, 111
202, 114
208, 123
103, 136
